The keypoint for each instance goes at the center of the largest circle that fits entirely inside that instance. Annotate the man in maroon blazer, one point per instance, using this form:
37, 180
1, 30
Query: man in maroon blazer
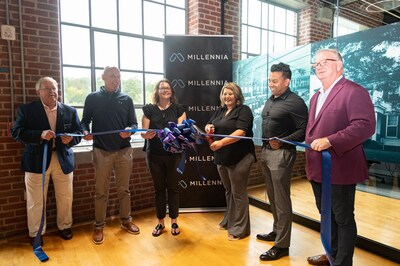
341, 118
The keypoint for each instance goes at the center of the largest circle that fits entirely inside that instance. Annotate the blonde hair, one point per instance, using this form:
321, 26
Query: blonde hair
237, 92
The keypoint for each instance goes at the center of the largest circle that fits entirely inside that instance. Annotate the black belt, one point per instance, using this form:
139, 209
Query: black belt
283, 145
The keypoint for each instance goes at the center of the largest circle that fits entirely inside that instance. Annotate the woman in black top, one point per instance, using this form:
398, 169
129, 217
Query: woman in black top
234, 157
163, 164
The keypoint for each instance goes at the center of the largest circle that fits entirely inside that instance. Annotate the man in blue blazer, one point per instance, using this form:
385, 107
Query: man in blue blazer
36, 124
341, 118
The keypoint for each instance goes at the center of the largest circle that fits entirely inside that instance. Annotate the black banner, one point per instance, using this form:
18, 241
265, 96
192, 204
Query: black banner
198, 67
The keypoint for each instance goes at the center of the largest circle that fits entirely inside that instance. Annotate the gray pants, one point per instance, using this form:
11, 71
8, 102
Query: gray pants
234, 179
104, 163
277, 166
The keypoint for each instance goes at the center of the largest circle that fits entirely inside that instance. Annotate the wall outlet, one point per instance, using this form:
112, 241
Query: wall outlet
8, 32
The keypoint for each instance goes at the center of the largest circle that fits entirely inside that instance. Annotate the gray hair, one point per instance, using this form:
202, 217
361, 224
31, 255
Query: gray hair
41, 80
335, 52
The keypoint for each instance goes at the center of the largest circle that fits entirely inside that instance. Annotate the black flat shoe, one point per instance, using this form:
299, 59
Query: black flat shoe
274, 253
175, 229
267, 237
158, 230
66, 234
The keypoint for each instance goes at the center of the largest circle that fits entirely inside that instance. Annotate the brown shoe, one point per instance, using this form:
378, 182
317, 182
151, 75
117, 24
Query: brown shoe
98, 236
318, 260
131, 228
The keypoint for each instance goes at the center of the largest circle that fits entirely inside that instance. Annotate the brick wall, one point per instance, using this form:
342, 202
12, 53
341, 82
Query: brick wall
204, 18
315, 24
42, 58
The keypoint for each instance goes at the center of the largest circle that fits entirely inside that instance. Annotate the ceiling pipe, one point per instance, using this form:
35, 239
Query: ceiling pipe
223, 16
21, 35
355, 12
10, 65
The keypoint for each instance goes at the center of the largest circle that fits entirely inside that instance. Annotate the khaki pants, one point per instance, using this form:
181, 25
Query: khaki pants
34, 196
104, 163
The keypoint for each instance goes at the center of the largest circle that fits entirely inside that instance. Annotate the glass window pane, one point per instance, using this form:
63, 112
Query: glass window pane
290, 42
154, 19
264, 42
151, 81
265, 15
160, 1
391, 132
279, 41
75, 52
244, 38
131, 54
280, 19
104, 14
99, 80
291, 25
175, 17
69, 12
244, 12
153, 54
178, 3
255, 11
271, 17
254, 40
130, 16
76, 86
132, 84
270, 42
106, 49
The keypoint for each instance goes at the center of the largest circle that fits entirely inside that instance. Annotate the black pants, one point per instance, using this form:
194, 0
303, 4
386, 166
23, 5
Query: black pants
165, 179
344, 229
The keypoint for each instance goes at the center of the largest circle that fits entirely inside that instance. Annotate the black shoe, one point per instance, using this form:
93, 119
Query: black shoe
32, 239
274, 253
66, 234
267, 237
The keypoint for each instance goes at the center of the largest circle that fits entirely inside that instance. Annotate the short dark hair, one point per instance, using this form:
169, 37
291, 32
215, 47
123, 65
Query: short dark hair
281, 67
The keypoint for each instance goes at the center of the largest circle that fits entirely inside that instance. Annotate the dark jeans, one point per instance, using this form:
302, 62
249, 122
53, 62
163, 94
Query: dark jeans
344, 229
165, 179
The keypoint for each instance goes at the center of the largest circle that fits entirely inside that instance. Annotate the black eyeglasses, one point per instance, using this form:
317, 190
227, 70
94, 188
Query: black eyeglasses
322, 63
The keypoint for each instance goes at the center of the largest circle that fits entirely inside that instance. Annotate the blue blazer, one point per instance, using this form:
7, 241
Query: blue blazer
31, 120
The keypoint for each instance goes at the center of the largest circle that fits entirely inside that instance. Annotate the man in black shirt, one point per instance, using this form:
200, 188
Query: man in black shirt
284, 116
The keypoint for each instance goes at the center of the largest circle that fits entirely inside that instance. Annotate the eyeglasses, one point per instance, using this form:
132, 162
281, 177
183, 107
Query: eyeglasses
164, 89
322, 63
48, 89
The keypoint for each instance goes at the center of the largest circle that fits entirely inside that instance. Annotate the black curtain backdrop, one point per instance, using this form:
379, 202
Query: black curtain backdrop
198, 67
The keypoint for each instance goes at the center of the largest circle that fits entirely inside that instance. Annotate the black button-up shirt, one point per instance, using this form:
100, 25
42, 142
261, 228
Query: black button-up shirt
285, 117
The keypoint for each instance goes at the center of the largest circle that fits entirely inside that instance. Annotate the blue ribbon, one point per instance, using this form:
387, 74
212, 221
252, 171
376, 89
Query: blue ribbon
37, 246
133, 130
176, 138
326, 204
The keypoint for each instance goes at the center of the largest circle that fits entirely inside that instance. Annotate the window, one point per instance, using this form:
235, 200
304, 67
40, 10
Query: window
125, 33
266, 28
343, 26
392, 126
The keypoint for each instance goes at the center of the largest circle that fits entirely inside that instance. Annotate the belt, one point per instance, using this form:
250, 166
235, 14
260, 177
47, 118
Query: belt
283, 146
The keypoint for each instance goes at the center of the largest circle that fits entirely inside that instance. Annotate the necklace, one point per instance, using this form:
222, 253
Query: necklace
163, 108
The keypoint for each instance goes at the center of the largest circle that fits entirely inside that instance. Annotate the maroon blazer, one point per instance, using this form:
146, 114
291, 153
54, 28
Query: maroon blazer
347, 118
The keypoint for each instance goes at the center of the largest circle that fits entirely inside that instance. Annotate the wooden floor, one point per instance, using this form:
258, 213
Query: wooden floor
377, 216
200, 243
